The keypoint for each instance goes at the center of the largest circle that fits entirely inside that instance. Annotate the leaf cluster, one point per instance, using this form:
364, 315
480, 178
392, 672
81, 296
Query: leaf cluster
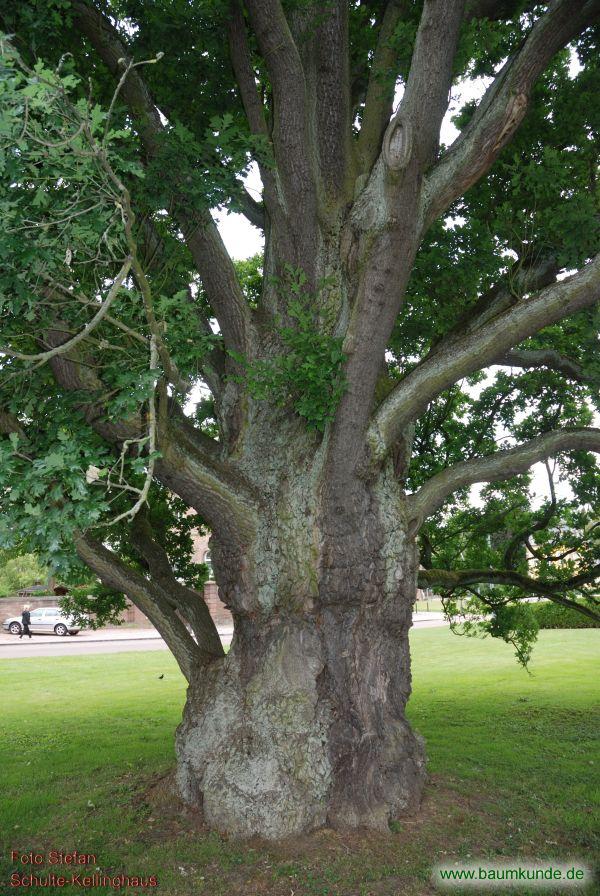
308, 376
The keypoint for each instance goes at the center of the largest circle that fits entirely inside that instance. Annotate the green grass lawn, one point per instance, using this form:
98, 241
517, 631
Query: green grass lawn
430, 605
514, 767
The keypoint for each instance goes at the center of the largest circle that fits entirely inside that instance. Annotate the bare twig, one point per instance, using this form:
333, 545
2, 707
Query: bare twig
144, 491
43, 357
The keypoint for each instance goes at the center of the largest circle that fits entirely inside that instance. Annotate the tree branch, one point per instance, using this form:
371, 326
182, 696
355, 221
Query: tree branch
200, 232
293, 142
107, 42
558, 558
214, 365
331, 95
243, 71
427, 93
503, 106
192, 466
521, 278
187, 601
152, 435
380, 89
458, 578
455, 358
550, 359
255, 112
522, 538
43, 357
494, 10
253, 210
501, 465
382, 226
190, 463
116, 574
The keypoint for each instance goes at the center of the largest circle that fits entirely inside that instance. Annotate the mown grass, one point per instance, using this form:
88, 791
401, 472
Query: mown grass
429, 605
85, 743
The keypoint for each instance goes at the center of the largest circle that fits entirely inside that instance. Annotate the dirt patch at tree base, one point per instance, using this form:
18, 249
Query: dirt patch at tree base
451, 826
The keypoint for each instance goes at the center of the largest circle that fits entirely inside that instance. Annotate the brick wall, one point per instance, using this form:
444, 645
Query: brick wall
218, 610
13, 606
132, 615
10, 606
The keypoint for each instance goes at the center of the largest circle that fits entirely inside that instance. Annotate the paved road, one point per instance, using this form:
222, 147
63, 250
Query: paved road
42, 646
115, 641
106, 640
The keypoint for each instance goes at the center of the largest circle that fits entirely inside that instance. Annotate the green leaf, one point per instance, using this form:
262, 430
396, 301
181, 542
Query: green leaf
33, 509
54, 461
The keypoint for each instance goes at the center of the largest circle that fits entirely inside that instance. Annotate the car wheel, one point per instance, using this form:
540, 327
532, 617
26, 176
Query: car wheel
14, 628
73, 634
61, 629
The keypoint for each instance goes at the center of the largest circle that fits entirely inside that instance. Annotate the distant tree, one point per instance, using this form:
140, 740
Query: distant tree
424, 319
20, 571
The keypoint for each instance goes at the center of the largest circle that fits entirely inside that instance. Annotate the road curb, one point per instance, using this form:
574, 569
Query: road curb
54, 639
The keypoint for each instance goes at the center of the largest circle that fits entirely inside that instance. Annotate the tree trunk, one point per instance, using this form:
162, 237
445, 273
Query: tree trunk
302, 724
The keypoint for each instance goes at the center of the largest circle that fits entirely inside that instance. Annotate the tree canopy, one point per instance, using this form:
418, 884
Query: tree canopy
127, 364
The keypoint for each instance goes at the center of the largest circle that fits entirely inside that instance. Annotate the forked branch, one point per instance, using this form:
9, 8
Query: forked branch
427, 91
381, 86
458, 357
504, 105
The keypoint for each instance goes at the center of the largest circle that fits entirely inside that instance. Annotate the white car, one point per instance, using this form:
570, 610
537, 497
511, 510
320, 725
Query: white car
44, 621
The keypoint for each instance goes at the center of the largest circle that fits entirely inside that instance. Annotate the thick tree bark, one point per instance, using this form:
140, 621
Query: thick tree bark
303, 722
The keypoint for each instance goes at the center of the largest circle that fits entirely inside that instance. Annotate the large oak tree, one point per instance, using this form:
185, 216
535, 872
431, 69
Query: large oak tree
423, 320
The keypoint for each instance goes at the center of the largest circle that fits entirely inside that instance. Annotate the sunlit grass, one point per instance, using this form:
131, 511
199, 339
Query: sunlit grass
513, 755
